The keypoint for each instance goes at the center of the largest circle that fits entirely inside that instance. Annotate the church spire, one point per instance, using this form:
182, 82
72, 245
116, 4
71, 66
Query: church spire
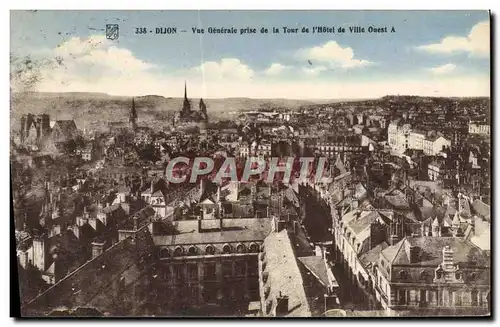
133, 112
133, 116
185, 91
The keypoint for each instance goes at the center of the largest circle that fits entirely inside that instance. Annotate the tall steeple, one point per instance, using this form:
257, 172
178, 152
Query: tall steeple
133, 116
203, 110
186, 107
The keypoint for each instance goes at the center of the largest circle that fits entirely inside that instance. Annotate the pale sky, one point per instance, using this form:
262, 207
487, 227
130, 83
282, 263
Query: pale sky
430, 53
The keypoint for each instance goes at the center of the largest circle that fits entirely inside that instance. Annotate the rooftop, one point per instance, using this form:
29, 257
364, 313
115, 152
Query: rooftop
234, 230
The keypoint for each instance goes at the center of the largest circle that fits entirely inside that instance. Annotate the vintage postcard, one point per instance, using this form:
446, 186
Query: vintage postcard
251, 164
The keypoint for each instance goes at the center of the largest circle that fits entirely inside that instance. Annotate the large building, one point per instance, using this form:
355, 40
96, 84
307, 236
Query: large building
188, 115
401, 137
433, 275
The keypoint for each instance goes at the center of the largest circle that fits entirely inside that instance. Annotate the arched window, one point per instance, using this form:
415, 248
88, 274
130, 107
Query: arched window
439, 274
178, 251
458, 275
210, 249
164, 253
226, 249
240, 248
254, 248
192, 250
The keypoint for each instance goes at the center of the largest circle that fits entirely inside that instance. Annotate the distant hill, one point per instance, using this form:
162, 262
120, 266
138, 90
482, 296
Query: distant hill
94, 110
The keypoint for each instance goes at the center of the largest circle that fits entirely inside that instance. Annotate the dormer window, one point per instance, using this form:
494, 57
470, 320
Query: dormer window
210, 249
192, 250
254, 248
240, 248
164, 253
439, 274
178, 251
403, 275
226, 249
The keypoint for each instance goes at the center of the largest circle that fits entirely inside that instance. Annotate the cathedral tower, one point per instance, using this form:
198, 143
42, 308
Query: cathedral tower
133, 116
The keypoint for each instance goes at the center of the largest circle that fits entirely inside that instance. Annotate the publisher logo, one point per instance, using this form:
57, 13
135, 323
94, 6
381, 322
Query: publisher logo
112, 31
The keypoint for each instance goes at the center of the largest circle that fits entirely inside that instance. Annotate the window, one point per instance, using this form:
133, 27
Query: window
164, 253
474, 296
193, 271
240, 248
226, 249
240, 268
178, 251
209, 270
179, 272
402, 297
210, 249
254, 248
192, 250
227, 268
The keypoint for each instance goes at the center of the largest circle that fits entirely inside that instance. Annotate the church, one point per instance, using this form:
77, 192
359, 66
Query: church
188, 115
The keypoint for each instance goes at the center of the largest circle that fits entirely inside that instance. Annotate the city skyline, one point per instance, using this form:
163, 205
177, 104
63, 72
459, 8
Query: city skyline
429, 54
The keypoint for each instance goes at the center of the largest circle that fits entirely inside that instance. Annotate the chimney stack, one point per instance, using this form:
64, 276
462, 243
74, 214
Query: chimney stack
97, 248
282, 305
136, 223
448, 263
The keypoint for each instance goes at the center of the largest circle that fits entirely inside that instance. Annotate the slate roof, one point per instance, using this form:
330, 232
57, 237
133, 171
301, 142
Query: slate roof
482, 209
317, 266
284, 276
80, 287
430, 249
234, 230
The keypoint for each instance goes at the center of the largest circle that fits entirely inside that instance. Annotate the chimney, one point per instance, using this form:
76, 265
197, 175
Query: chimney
97, 248
282, 305
218, 193
136, 222
411, 251
202, 188
331, 301
393, 239
448, 258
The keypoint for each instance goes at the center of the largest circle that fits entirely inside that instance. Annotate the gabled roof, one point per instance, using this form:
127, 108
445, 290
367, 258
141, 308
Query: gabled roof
430, 250
317, 266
